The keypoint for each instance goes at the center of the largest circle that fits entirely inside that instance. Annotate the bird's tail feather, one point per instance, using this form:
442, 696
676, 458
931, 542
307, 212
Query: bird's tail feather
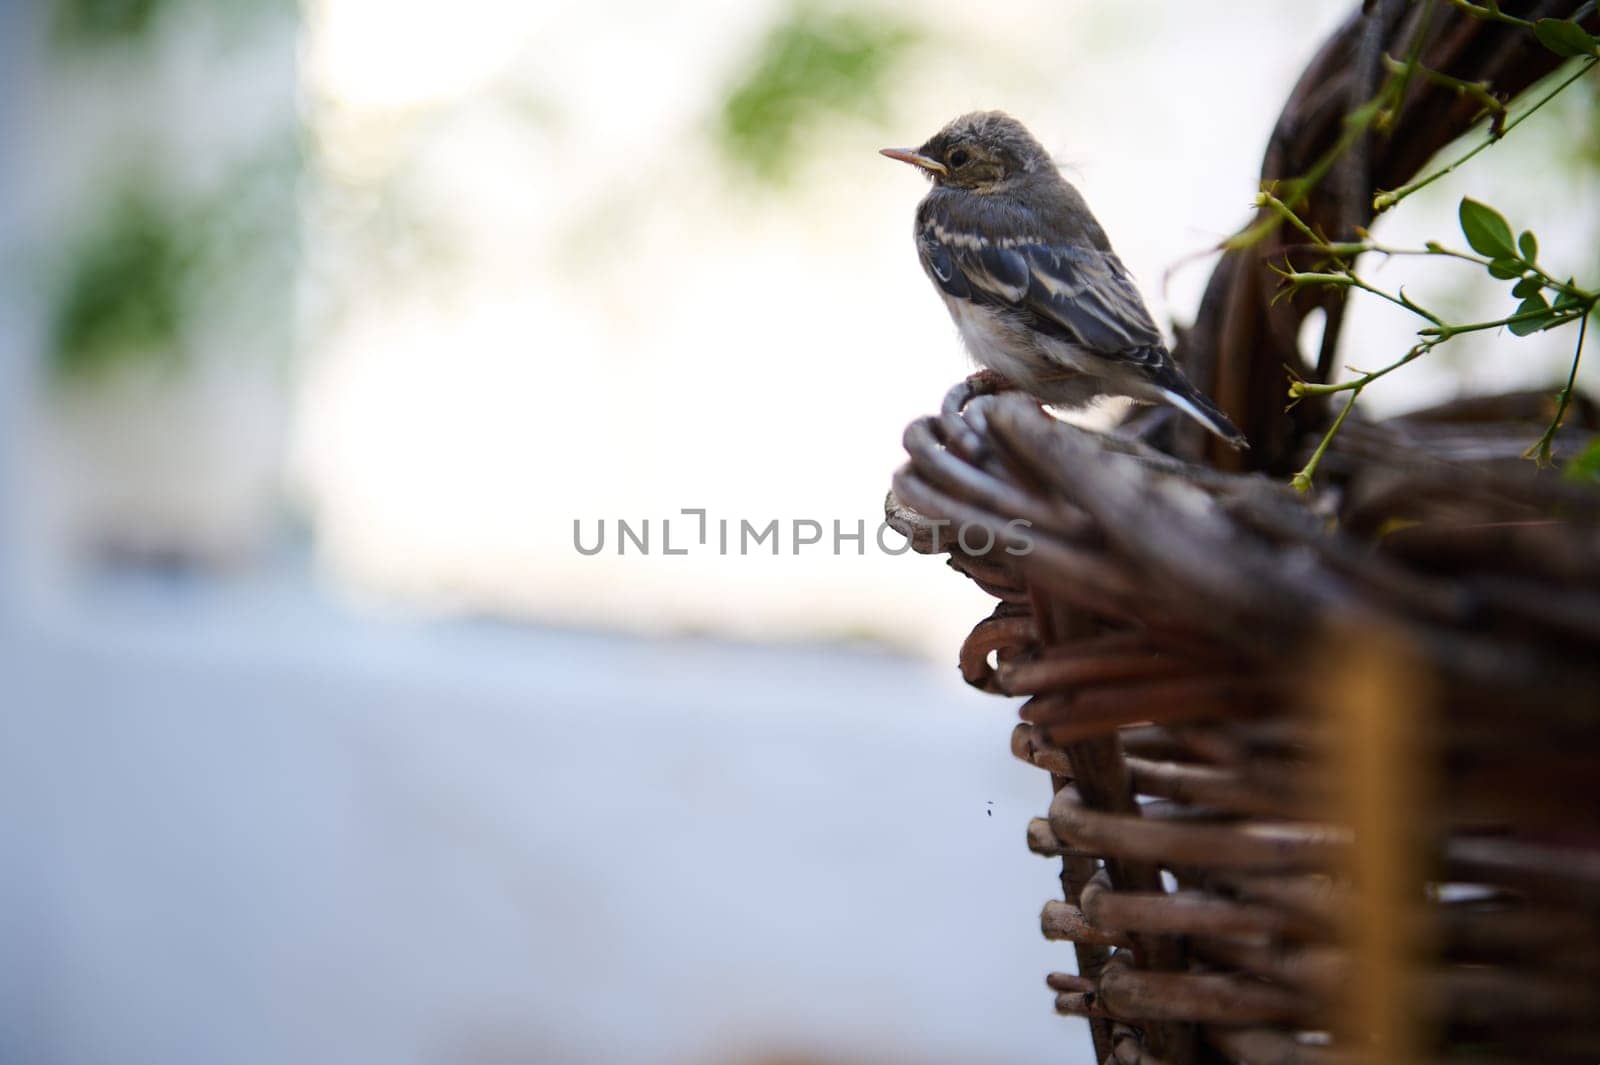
1191, 401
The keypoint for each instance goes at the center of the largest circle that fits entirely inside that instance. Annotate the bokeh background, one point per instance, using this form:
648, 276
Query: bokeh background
321, 325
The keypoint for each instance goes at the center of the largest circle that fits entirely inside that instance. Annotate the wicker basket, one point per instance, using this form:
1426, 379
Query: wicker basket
1326, 773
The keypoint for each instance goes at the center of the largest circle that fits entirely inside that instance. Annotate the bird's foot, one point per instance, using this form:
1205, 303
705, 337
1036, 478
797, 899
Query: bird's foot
985, 382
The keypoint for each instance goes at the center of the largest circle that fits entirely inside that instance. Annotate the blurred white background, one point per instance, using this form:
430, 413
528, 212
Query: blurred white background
625, 325
321, 326
621, 326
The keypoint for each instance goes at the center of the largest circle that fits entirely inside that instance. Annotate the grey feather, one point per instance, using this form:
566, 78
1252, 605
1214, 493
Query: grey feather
1081, 295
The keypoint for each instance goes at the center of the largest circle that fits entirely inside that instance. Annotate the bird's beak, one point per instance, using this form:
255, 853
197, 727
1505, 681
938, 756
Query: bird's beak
915, 158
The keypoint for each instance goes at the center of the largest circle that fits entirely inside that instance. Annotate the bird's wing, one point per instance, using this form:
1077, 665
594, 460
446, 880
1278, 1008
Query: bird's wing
1081, 295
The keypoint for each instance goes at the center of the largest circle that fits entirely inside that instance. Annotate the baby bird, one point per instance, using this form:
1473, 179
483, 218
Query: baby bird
1030, 278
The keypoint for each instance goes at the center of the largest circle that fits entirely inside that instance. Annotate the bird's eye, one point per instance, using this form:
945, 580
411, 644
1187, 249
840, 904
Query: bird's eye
959, 157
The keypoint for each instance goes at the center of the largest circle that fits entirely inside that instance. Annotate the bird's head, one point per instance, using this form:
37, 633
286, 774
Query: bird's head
981, 151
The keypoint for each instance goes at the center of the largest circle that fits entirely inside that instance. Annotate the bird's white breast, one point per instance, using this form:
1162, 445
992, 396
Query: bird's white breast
1006, 345
992, 341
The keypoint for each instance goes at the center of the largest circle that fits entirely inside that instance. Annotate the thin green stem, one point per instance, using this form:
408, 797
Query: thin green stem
1473, 90
1398, 300
1356, 125
1446, 332
1385, 200
1435, 337
1282, 210
1301, 389
1540, 451
1351, 249
1346, 273
1432, 249
1490, 11
1565, 288
1400, 86
1302, 480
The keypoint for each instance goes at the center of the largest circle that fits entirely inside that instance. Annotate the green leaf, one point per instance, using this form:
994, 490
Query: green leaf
1506, 269
1585, 466
1486, 230
1529, 245
1528, 286
1564, 38
1531, 305
1566, 301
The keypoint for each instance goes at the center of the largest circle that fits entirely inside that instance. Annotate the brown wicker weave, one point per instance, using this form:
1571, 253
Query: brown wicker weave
1187, 638
1326, 770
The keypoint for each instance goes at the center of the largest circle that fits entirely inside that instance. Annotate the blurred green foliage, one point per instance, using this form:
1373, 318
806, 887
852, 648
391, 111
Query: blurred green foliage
130, 286
92, 23
122, 294
95, 21
148, 258
1584, 468
812, 63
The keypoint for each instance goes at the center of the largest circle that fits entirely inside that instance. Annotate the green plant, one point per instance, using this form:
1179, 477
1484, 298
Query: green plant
1584, 467
130, 284
122, 296
88, 24
1546, 302
811, 63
